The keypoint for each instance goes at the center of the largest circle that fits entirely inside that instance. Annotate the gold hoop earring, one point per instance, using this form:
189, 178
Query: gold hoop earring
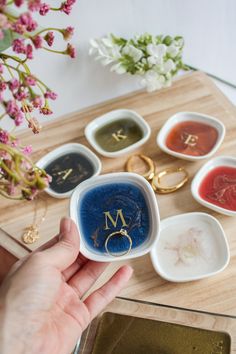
149, 162
159, 188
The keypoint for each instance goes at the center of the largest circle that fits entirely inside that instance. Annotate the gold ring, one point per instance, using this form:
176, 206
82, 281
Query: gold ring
122, 232
150, 173
156, 181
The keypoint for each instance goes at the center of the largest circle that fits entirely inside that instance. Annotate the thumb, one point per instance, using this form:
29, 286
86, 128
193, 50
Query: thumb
66, 250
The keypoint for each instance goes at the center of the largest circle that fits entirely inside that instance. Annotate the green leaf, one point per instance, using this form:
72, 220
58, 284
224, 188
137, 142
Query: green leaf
119, 41
6, 42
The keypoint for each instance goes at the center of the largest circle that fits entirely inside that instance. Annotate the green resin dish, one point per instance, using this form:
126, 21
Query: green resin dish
120, 334
139, 327
117, 132
118, 135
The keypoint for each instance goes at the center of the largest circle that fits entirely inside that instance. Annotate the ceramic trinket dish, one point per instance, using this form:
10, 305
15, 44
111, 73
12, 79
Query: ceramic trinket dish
117, 216
191, 136
68, 166
191, 246
214, 186
117, 132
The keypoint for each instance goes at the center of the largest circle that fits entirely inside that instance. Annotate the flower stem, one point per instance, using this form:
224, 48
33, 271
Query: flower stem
54, 51
48, 29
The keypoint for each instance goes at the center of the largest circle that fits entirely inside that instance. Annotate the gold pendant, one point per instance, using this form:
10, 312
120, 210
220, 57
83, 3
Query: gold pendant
31, 234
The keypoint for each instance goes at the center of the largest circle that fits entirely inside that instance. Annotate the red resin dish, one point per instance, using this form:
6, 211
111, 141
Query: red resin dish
192, 138
219, 187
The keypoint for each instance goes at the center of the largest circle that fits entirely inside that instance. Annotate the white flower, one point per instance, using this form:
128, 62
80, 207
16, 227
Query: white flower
133, 52
156, 53
118, 68
168, 66
172, 50
108, 42
154, 63
153, 81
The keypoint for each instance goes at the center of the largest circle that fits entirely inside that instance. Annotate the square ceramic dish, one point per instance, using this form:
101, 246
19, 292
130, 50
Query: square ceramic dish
220, 161
191, 246
139, 327
194, 117
65, 150
107, 204
112, 117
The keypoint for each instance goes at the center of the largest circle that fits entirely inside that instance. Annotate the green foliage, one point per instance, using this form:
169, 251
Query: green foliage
6, 42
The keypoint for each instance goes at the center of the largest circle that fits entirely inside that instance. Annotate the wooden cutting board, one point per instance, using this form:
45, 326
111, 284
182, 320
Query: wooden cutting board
192, 92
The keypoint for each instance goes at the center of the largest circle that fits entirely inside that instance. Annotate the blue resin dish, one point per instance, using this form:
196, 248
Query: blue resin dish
106, 204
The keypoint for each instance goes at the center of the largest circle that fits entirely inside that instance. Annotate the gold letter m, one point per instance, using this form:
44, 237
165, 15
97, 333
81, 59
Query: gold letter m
119, 214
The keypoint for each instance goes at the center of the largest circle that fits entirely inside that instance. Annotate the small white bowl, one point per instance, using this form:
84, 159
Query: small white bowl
113, 116
120, 177
64, 150
201, 174
190, 116
168, 257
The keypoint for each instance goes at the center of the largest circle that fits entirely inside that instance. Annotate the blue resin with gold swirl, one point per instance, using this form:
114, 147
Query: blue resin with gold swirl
111, 207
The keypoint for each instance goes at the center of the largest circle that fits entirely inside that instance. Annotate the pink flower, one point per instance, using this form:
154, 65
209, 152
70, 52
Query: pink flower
18, 3
34, 5
2, 3
29, 51
18, 46
46, 111
70, 50
27, 150
13, 84
18, 27
3, 85
19, 118
37, 41
15, 143
44, 8
4, 136
66, 8
27, 20
68, 32
51, 95
37, 102
49, 38
11, 108
29, 81
21, 94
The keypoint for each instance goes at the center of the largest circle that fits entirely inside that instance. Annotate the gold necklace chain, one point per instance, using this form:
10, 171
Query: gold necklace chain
31, 233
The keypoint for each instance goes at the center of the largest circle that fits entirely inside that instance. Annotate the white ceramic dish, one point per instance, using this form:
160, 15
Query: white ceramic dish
212, 250
113, 116
63, 150
119, 177
204, 170
190, 116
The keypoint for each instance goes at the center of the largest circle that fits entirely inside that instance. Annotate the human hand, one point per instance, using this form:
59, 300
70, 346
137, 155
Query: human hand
41, 310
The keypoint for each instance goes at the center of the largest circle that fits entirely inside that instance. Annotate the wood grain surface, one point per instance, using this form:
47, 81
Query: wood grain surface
193, 92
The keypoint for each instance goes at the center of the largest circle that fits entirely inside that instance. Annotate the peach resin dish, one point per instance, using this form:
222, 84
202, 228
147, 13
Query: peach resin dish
191, 136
